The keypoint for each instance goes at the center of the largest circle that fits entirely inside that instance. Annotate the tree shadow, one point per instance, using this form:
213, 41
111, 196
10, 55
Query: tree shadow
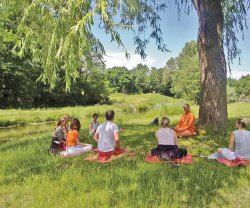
152, 185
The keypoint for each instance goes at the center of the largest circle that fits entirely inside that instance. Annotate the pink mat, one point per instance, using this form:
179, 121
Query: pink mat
96, 159
233, 163
154, 159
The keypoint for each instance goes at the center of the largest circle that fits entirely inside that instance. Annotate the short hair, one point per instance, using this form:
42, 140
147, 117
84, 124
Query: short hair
75, 124
165, 121
242, 122
187, 105
95, 115
109, 115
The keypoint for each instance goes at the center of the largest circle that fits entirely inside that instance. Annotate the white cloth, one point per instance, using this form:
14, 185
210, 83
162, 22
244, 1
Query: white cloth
106, 132
75, 150
228, 154
165, 136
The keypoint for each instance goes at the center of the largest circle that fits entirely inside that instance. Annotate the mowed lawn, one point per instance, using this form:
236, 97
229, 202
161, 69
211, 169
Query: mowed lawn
30, 177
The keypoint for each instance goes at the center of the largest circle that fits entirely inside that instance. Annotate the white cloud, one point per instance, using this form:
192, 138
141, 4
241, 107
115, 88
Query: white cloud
118, 59
113, 59
237, 74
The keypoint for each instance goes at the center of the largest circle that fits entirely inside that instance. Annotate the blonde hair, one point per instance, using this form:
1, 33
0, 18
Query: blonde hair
165, 121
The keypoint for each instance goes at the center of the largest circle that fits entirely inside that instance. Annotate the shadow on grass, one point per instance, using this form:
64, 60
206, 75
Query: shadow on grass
130, 182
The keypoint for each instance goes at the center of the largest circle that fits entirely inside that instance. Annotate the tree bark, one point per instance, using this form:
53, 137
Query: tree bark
213, 103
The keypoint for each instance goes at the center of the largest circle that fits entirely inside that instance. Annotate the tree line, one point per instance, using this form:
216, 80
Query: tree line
36, 62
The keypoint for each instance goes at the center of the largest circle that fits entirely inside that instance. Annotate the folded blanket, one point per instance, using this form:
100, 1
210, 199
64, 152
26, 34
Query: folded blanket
154, 159
233, 163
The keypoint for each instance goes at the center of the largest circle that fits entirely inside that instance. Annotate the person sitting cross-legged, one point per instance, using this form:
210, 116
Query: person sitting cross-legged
186, 126
167, 148
107, 137
74, 146
239, 144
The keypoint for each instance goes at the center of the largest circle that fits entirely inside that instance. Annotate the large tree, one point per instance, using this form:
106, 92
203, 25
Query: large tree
58, 33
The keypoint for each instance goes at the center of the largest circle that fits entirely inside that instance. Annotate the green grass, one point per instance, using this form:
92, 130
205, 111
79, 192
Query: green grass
30, 177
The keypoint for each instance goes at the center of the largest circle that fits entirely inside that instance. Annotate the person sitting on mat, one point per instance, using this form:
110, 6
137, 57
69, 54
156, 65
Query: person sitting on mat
186, 126
239, 144
107, 137
167, 148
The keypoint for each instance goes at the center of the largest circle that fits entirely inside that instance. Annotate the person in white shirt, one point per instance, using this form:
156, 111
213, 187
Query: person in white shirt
107, 137
93, 124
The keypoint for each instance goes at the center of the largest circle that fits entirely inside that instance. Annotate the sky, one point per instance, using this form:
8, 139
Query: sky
176, 32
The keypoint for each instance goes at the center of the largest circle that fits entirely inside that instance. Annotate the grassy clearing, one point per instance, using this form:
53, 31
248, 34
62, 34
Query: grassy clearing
29, 177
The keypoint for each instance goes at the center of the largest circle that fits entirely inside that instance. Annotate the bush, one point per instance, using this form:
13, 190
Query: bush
143, 108
231, 95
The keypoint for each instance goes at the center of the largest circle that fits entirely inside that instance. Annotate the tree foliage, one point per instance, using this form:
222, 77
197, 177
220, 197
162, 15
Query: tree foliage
241, 87
186, 79
58, 33
19, 76
234, 16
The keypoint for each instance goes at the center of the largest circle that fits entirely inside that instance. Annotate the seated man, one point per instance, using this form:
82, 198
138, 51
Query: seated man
107, 138
186, 126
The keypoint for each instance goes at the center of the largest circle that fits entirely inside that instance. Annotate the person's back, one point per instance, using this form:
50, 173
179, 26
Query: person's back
107, 137
106, 141
165, 136
242, 144
167, 147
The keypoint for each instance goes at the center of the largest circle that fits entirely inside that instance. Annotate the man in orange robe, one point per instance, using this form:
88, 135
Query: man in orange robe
186, 126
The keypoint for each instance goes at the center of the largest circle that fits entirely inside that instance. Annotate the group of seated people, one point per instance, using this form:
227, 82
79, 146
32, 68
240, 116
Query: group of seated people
66, 142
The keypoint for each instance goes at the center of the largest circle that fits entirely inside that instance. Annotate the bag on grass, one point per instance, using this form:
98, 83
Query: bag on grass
57, 146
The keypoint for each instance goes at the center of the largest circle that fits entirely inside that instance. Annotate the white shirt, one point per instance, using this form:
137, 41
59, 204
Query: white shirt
106, 132
165, 136
94, 125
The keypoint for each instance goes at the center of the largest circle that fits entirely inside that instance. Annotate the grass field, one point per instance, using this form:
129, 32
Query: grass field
30, 177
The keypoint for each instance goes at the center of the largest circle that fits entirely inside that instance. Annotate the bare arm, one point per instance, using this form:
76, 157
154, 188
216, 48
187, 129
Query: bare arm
90, 126
156, 138
116, 136
232, 142
175, 139
82, 144
78, 141
96, 137
117, 141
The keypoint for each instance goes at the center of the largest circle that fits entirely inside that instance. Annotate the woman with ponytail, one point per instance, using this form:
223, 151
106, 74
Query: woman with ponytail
167, 148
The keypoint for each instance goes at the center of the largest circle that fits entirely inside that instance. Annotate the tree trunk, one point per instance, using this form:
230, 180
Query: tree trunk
213, 103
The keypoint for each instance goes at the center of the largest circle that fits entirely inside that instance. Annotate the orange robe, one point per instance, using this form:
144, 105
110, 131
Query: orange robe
186, 126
